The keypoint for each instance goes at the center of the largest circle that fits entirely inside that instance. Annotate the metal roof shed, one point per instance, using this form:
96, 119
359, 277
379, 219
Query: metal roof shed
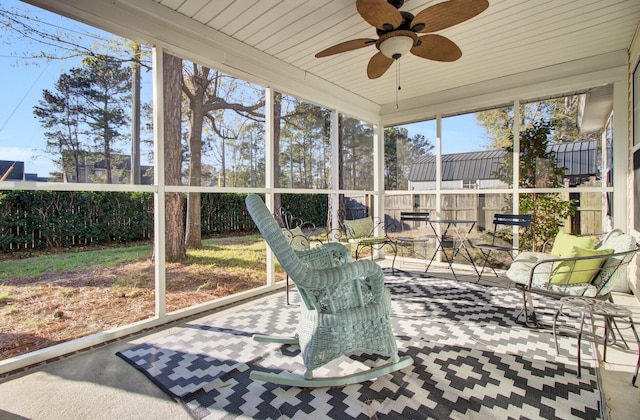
580, 159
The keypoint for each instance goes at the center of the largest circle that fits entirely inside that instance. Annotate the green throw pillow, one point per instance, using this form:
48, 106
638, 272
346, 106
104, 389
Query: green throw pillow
584, 270
359, 228
296, 238
564, 241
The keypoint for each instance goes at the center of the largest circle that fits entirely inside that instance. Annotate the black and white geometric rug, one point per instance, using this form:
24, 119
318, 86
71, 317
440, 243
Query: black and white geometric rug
471, 360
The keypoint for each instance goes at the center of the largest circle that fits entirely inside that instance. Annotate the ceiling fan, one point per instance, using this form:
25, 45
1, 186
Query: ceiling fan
397, 31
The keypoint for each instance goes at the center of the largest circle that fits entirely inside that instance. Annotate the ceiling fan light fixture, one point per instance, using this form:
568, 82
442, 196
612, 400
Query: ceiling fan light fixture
398, 32
397, 46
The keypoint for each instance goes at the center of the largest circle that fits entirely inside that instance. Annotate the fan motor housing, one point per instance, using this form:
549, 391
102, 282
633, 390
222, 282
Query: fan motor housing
396, 3
404, 26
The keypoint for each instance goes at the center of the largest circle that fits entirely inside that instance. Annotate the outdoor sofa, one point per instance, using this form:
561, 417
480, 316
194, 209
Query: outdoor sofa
575, 266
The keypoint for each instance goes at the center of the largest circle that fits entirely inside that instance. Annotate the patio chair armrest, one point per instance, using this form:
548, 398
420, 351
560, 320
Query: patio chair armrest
372, 240
548, 267
543, 269
391, 226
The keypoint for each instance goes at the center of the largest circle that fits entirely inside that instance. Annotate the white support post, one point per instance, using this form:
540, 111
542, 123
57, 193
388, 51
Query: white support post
622, 172
438, 179
159, 197
378, 174
622, 186
335, 168
607, 216
515, 181
269, 121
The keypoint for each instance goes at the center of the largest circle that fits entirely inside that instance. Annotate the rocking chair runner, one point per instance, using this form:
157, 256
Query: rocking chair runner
345, 307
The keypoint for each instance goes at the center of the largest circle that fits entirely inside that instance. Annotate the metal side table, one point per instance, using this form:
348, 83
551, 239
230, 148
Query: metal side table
406, 242
453, 237
609, 311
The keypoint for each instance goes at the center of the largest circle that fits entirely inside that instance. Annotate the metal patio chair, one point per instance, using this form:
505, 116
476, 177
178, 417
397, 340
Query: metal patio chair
502, 224
362, 233
298, 232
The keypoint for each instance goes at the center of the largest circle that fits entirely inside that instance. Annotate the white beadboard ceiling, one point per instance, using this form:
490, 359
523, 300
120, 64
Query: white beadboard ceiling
510, 41
510, 37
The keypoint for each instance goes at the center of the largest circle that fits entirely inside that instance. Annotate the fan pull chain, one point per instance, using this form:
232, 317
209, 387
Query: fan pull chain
397, 81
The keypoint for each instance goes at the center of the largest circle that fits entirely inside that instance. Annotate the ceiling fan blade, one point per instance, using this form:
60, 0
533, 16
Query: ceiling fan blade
378, 64
379, 13
447, 14
438, 48
351, 45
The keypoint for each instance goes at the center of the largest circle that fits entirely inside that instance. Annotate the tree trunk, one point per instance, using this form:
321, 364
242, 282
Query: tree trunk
107, 147
193, 237
172, 89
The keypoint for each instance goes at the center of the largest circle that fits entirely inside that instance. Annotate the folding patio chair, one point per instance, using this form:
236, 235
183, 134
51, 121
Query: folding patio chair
502, 228
414, 235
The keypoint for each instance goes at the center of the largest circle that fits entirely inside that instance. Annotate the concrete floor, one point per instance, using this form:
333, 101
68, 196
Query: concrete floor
622, 399
96, 384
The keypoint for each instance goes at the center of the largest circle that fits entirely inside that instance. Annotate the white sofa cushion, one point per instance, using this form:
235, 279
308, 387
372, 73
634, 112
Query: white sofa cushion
522, 265
518, 272
619, 242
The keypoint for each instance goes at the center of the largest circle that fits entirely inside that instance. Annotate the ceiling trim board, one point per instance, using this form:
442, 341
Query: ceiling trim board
488, 94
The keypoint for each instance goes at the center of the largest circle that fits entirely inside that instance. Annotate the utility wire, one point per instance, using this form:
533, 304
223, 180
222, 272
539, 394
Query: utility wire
23, 97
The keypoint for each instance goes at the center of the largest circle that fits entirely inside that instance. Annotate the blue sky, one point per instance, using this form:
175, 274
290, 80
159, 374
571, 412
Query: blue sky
21, 136
459, 134
19, 130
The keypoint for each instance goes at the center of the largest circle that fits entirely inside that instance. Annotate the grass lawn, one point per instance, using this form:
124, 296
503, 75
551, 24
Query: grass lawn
51, 298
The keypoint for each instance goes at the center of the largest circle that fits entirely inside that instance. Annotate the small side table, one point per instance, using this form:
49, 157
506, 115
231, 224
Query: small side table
405, 242
609, 311
457, 234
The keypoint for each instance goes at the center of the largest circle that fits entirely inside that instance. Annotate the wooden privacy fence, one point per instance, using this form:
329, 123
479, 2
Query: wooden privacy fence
482, 207
43, 219
224, 213
46, 219
588, 217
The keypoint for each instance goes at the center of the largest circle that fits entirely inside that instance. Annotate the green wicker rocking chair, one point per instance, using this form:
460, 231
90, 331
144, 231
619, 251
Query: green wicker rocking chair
345, 307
